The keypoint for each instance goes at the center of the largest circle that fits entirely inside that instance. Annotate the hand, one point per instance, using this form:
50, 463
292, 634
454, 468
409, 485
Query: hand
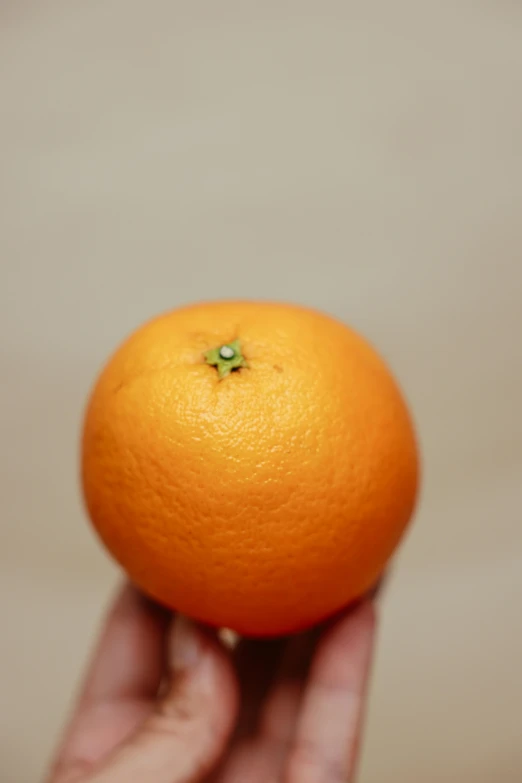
166, 702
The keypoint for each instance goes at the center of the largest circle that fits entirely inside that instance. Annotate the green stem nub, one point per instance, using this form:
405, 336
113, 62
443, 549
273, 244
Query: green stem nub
226, 358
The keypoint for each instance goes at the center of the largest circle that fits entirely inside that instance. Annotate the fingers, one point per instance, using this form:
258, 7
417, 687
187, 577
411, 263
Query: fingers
327, 732
260, 756
175, 739
256, 664
121, 683
187, 732
129, 661
281, 709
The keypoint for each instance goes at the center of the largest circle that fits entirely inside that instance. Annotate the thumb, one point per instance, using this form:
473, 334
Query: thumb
186, 734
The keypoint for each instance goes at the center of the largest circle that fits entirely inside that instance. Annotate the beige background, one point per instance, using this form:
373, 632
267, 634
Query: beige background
363, 157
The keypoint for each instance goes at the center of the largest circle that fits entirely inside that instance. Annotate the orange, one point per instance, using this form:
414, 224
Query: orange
252, 465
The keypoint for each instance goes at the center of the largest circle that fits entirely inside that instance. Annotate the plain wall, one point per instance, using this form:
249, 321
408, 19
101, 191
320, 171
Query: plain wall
364, 158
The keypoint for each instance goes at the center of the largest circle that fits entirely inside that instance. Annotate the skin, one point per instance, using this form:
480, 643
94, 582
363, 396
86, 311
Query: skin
165, 701
263, 499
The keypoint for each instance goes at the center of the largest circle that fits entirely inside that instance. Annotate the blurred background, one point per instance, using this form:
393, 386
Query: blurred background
363, 158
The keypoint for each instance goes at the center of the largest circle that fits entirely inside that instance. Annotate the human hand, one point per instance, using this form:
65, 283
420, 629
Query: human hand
165, 702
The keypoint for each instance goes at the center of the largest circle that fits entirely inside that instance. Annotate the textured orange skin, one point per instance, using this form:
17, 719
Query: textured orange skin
263, 502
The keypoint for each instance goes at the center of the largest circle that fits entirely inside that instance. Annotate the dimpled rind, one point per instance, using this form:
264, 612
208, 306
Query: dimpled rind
262, 502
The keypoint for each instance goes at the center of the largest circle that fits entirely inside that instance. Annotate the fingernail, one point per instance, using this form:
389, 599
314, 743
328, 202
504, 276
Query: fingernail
185, 644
